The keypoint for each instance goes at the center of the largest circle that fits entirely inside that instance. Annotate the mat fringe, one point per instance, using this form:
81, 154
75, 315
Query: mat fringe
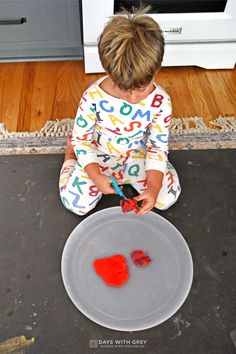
63, 127
185, 133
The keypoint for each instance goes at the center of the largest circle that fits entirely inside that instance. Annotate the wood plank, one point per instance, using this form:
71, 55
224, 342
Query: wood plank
224, 83
27, 91
11, 84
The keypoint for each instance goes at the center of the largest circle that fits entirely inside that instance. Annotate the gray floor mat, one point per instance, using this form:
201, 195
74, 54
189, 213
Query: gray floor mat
35, 226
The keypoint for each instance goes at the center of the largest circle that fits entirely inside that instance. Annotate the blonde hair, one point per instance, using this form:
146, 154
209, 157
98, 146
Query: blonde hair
131, 49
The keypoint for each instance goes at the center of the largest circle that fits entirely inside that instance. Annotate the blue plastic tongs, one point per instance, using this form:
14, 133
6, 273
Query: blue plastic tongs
116, 187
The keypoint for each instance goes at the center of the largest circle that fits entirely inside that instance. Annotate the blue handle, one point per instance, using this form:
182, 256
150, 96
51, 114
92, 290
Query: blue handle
116, 187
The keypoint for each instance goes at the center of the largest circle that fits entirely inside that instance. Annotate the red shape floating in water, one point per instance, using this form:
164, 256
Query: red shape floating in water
129, 205
140, 259
113, 270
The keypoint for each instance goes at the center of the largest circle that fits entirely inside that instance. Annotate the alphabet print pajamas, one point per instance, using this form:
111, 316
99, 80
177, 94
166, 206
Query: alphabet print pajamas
125, 140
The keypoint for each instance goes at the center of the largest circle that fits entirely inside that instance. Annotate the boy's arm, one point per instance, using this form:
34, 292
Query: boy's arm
82, 136
93, 171
158, 139
83, 132
154, 180
156, 156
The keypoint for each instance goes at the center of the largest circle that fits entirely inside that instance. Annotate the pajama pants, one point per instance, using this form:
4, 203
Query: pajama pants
79, 194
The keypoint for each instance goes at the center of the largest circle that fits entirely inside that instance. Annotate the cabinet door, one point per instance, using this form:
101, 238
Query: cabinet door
40, 29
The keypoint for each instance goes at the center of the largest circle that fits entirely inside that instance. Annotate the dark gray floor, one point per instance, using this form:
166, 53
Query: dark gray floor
35, 226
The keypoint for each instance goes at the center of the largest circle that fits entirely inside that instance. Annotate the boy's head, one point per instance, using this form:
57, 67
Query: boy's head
131, 49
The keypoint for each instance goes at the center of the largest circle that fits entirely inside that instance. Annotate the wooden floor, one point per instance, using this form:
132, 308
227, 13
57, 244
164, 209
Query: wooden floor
32, 93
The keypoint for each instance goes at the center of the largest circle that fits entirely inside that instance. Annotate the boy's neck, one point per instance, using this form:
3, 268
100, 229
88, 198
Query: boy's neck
134, 96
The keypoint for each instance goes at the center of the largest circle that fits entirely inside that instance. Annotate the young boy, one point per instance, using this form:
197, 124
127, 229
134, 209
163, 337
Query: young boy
121, 126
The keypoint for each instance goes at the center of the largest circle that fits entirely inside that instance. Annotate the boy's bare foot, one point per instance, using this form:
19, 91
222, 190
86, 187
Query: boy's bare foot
69, 154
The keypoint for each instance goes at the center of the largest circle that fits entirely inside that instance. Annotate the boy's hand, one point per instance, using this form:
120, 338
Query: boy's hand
103, 183
149, 197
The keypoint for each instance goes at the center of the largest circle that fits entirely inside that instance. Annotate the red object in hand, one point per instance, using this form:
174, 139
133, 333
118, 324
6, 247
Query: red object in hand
113, 270
140, 259
129, 205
